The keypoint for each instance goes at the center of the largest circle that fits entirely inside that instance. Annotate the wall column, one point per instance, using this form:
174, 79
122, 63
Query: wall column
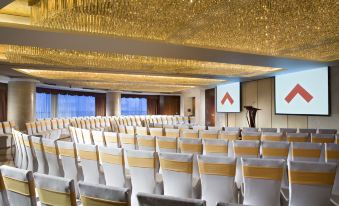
21, 101
113, 103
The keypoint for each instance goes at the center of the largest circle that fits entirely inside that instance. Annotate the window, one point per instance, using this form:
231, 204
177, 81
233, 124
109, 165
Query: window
75, 106
133, 106
43, 105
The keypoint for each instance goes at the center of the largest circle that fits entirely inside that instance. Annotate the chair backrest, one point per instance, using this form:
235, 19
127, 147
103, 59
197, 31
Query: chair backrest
142, 166
288, 130
3, 192
40, 154
307, 130
78, 132
327, 131
190, 133
272, 136
141, 130
229, 135
322, 138
28, 128
112, 161
305, 151
310, 183
60, 123
208, 134
217, 178
95, 194
250, 129
190, 145
166, 144
89, 158
250, 135
215, 147
7, 127
32, 164
55, 190
128, 141
262, 181
73, 134
122, 129
146, 142
268, 129
177, 174
155, 200
244, 148
69, 160
275, 150
297, 137
19, 185
98, 137
332, 156
86, 134
97, 122
2, 129
218, 128
198, 127
52, 157
92, 121
111, 139
170, 132
19, 150
158, 132
234, 129
130, 130
54, 124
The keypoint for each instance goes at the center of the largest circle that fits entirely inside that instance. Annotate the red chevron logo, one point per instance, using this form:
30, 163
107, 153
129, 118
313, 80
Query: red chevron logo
227, 97
298, 89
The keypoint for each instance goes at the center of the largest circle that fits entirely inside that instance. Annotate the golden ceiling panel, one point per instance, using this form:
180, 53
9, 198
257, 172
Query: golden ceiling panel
112, 62
290, 28
119, 78
17, 8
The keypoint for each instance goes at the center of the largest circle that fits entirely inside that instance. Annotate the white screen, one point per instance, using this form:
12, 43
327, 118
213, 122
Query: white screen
303, 92
228, 97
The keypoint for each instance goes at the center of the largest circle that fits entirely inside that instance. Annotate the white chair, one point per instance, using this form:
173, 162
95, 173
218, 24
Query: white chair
307, 130
191, 146
288, 130
310, 183
332, 156
250, 135
111, 139
130, 130
122, 129
262, 181
89, 158
324, 131
87, 137
305, 151
73, 135
142, 166
19, 185
190, 133
322, 138
98, 137
215, 147
31, 159
127, 141
166, 144
69, 160
146, 142
3, 192
272, 136
250, 129
244, 148
177, 174
172, 132
156, 200
297, 137
198, 127
112, 161
55, 190
141, 130
52, 157
233, 129
40, 155
217, 179
158, 132
208, 134
101, 195
218, 128
274, 130
21, 157
78, 132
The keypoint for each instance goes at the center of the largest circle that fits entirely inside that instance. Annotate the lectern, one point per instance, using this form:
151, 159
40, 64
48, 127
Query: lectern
250, 115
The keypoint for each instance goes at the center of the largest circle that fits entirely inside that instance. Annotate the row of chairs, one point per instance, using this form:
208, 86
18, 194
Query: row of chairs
6, 134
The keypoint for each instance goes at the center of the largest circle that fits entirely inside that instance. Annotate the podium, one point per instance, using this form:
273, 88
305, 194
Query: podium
250, 115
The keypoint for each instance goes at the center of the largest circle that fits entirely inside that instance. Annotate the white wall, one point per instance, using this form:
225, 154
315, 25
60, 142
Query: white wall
199, 94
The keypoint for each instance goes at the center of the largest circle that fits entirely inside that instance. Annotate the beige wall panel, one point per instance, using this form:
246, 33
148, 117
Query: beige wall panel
249, 98
278, 121
265, 103
231, 120
296, 121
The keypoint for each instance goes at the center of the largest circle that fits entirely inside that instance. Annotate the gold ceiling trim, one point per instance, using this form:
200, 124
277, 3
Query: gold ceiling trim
113, 62
291, 28
119, 78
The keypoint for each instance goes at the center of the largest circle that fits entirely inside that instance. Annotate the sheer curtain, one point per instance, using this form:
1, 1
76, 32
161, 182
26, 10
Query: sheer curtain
133, 106
75, 106
43, 105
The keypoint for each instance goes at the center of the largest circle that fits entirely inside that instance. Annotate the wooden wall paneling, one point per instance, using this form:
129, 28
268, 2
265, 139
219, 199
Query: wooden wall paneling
169, 105
210, 112
249, 97
265, 103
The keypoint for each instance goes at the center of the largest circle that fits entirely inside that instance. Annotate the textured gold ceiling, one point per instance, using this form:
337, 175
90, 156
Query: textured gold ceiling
121, 81
306, 29
111, 62
17, 8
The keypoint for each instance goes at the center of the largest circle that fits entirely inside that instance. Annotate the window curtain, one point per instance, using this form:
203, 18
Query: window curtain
133, 106
75, 106
152, 106
3, 102
43, 105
